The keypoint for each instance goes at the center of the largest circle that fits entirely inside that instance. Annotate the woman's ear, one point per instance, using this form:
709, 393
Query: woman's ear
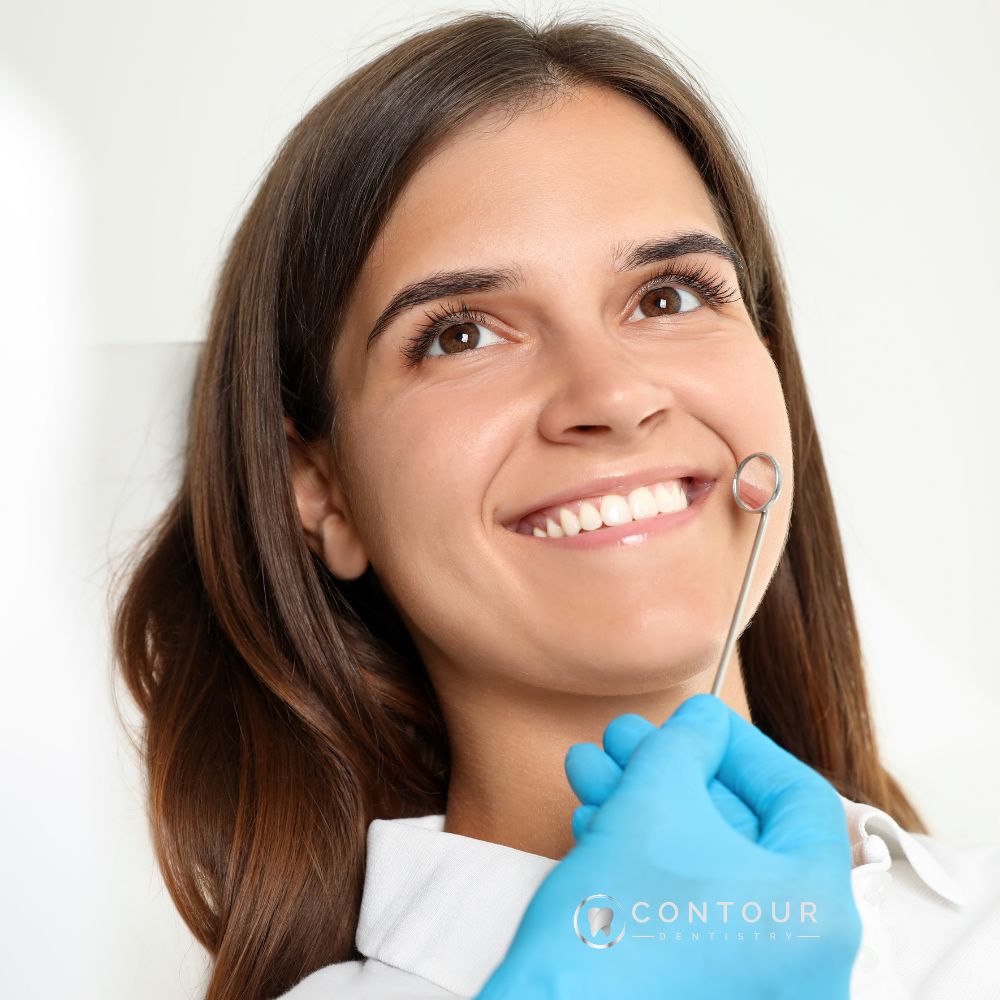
329, 529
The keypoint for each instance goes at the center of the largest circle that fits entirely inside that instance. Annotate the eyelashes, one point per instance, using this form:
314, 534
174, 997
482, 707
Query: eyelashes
714, 289
438, 321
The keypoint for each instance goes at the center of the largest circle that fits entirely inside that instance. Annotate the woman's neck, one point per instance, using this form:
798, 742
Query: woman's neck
508, 783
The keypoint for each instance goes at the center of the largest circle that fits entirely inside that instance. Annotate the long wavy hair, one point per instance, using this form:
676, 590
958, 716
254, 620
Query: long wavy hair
284, 709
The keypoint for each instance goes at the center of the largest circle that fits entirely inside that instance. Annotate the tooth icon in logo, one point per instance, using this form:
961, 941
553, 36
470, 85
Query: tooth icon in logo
600, 918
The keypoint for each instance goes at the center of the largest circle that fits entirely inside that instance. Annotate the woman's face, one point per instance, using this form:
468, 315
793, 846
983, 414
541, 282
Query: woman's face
583, 368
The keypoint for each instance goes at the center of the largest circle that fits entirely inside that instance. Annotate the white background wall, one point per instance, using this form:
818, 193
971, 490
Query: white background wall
133, 138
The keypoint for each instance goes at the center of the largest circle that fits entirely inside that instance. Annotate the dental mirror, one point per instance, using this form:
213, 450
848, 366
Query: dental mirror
756, 485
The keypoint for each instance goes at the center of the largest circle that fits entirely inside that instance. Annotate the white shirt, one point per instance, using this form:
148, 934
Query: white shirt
439, 911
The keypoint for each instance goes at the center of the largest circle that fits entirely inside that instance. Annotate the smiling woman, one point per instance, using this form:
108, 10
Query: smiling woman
486, 350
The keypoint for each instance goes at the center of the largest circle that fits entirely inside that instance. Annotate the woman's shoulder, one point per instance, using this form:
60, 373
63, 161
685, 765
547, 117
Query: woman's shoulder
940, 933
329, 981
364, 979
930, 910
973, 868
967, 861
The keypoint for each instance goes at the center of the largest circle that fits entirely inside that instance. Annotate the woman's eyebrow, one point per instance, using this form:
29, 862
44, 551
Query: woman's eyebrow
627, 257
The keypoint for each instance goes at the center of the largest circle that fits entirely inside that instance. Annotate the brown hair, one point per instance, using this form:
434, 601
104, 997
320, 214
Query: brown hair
283, 708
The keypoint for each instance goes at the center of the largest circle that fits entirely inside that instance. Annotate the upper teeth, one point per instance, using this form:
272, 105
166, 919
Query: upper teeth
608, 510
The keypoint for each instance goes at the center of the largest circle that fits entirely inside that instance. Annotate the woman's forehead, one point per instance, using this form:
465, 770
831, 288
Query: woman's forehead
531, 194
589, 159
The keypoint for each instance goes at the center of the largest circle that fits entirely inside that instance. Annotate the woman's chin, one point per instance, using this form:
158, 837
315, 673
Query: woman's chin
635, 670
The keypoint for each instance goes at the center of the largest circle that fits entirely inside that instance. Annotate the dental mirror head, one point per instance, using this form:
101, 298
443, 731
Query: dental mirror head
757, 482
756, 485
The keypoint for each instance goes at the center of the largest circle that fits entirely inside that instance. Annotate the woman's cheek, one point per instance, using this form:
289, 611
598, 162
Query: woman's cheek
426, 463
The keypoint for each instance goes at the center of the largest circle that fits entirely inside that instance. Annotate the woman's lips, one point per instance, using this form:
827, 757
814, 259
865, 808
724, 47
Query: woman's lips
632, 532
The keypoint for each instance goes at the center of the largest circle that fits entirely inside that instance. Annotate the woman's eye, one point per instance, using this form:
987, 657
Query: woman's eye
459, 338
667, 300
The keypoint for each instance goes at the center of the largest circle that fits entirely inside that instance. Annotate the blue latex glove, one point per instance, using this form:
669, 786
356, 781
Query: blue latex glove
659, 838
594, 773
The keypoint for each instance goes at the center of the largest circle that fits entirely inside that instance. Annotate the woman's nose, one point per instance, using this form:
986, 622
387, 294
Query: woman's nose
603, 384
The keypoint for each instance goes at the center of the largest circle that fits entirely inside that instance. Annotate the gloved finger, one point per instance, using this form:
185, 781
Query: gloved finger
624, 734
676, 761
798, 809
734, 810
582, 815
592, 774
627, 731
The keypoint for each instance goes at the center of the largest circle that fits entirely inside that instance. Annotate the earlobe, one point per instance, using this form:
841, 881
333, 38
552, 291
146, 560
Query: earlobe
326, 522
342, 550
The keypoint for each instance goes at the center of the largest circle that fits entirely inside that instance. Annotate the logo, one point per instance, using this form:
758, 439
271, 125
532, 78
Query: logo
599, 916
600, 921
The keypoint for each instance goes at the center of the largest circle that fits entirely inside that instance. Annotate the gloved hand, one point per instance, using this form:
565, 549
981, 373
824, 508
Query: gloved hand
657, 838
594, 774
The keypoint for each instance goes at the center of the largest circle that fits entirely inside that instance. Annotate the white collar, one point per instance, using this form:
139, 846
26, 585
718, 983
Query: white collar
876, 838
445, 907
